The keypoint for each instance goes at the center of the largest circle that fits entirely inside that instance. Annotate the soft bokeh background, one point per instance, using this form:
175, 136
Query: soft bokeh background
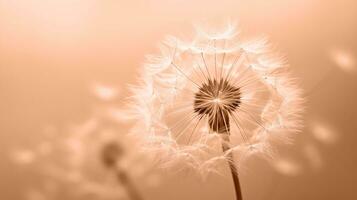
52, 52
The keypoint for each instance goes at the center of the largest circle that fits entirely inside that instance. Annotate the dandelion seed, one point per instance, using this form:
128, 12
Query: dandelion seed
343, 59
212, 93
324, 133
287, 167
103, 92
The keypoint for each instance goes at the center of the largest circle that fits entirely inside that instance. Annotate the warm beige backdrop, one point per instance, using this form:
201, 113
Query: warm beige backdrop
52, 51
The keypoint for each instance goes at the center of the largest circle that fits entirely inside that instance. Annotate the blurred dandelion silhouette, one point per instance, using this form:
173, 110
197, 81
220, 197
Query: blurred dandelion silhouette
91, 160
215, 98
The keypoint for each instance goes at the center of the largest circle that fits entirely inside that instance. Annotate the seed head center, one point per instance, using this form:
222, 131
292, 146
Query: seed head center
217, 99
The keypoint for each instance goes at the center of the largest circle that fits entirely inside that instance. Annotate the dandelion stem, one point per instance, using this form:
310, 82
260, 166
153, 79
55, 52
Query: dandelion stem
233, 168
124, 179
110, 155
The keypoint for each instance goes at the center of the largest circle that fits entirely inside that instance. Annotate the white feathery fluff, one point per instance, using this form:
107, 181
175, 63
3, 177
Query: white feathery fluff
162, 105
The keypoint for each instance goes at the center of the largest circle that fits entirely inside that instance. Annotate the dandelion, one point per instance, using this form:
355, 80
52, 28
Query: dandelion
91, 160
215, 98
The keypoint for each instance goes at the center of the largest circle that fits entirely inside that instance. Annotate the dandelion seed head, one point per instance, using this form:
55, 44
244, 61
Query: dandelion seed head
216, 99
216, 85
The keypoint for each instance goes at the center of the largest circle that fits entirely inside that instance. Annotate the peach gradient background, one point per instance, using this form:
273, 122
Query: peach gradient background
51, 51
